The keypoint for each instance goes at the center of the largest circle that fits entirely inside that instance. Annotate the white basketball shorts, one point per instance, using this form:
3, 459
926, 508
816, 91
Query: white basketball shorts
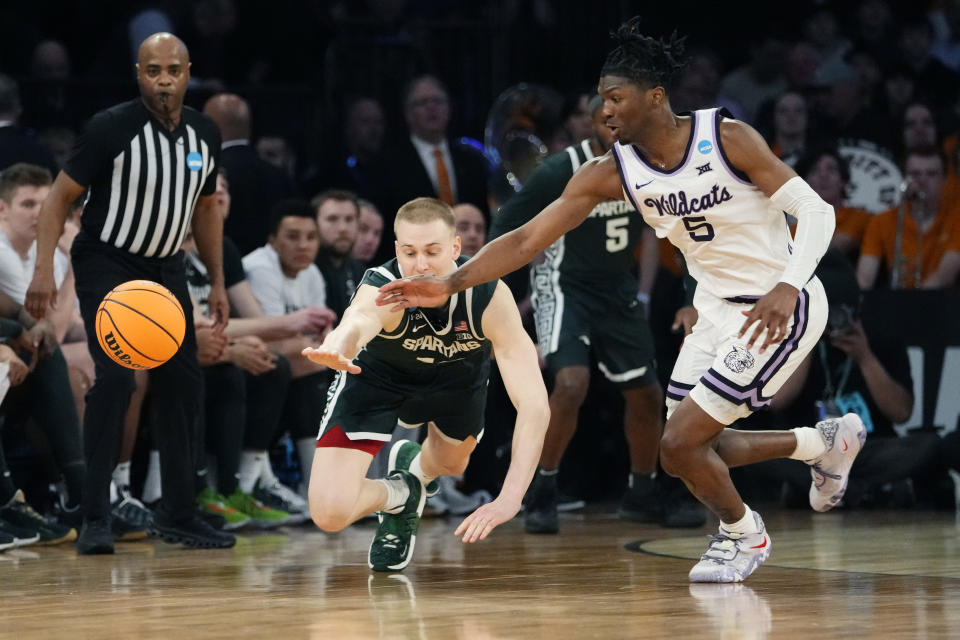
721, 375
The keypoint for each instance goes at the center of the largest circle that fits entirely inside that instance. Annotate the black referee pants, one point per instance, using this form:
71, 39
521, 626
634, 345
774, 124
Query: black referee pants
175, 386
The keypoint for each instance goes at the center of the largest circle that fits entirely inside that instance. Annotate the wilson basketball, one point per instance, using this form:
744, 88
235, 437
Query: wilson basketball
140, 324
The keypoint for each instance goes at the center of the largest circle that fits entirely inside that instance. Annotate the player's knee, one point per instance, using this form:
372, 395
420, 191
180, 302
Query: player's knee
452, 467
673, 456
329, 517
570, 390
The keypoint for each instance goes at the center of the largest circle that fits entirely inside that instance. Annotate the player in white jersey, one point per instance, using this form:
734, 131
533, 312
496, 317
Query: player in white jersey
714, 188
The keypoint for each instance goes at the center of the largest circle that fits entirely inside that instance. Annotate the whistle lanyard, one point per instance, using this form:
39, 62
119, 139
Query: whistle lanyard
829, 391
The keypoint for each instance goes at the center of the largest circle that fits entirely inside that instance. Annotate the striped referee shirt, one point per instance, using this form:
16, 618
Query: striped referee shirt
144, 179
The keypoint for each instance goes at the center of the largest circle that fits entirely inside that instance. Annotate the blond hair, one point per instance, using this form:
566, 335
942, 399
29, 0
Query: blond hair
423, 210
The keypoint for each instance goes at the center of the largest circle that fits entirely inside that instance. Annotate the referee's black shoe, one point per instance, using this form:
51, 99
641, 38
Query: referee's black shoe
192, 532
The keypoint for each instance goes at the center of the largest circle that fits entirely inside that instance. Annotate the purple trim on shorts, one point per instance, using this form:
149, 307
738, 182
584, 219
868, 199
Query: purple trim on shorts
735, 174
678, 390
750, 394
627, 189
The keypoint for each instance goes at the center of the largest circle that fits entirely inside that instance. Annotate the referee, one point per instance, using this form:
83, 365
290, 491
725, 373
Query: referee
151, 166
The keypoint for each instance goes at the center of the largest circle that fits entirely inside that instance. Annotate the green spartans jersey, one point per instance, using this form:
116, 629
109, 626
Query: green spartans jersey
431, 348
595, 257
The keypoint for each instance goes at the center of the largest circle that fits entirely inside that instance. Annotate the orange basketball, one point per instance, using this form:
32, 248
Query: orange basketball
140, 324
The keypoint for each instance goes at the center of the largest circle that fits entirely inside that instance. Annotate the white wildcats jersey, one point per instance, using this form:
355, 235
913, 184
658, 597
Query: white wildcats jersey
735, 242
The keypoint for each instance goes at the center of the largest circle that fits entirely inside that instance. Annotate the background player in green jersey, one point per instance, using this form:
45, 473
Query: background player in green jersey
587, 298
420, 366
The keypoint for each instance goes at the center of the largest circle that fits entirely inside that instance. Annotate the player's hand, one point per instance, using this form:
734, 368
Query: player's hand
18, 368
41, 294
684, 319
251, 354
219, 306
479, 524
330, 358
771, 314
415, 291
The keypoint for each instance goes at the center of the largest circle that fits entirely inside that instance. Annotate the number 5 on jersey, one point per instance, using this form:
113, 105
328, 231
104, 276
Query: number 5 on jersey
700, 230
617, 233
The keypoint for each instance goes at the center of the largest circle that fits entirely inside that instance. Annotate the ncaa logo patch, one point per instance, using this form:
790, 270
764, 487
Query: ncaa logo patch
738, 359
194, 161
704, 146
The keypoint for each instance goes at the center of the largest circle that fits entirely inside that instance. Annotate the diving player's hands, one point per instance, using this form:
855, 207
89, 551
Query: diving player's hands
479, 524
771, 314
415, 291
330, 358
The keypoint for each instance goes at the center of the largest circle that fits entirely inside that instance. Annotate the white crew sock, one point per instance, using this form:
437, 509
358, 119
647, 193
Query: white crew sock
397, 494
305, 450
251, 465
810, 444
121, 475
551, 472
745, 525
417, 470
152, 489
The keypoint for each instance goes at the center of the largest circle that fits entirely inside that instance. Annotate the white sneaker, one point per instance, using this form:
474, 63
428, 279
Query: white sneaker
732, 557
844, 438
277, 495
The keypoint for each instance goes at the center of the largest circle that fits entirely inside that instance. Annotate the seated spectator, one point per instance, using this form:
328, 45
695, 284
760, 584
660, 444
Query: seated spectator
245, 393
370, 233
338, 214
19, 523
790, 119
853, 371
16, 143
47, 396
471, 227
257, 185
429, 162
827, 173
353, 163
284, 279
276, 150
930, 243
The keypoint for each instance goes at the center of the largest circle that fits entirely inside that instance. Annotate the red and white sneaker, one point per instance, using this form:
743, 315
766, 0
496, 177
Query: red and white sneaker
732, 557
844, 438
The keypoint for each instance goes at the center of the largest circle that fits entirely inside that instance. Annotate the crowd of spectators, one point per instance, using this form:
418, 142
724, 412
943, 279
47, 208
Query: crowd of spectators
863, 101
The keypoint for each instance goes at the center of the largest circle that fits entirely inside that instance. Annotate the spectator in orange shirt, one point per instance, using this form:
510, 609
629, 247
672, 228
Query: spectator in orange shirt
827, 173
931, 230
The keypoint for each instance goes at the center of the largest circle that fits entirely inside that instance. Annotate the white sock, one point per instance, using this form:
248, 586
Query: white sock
397, 494
251, 463
417, 470
121, 474
810, 444
114, 494
151, 486
266, 470
551, 472
743, 526
305, 450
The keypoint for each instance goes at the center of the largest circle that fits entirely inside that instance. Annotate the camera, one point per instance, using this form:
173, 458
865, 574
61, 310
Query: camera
839, 318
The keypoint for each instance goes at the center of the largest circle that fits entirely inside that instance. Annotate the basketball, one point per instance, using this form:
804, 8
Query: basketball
140, 324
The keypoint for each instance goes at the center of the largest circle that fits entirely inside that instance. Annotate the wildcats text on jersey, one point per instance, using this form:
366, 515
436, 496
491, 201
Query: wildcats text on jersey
679, 204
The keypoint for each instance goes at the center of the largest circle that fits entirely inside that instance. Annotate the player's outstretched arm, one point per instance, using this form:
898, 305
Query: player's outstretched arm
594, 183
362, 321
517, 360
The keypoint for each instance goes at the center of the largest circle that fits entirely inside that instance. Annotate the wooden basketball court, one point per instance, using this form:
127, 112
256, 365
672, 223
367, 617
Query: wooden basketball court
842, 575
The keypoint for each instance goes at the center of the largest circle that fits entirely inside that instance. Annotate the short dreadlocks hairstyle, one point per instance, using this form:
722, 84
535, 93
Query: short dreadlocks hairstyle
647, 61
